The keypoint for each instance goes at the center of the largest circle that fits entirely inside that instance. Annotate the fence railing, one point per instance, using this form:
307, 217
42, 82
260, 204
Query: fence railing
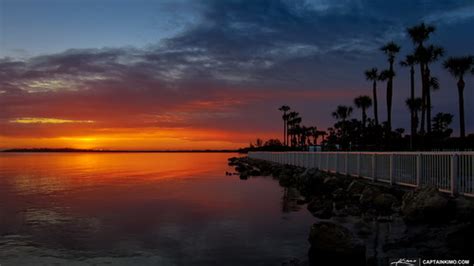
451, 172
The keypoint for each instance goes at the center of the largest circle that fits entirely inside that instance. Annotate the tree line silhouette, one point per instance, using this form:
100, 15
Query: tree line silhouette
426, 132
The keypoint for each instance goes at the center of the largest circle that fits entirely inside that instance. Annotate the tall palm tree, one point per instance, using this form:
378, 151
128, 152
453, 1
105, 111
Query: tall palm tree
391, 49
428, 55
311, 133
414, 105
284, 109
458, 67
363, 102
293, 125
373, 75
342, 112
410, 61
419, 34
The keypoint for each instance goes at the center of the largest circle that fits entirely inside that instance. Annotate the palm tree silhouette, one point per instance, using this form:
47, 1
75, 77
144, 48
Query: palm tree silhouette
427, 56
342, 112
363, 102
419, 34
414, 105
284, 109
410, 61
372, 75
458, 67
390, 49
293, 121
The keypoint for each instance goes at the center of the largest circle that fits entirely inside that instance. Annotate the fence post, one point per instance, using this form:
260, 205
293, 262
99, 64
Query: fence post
373, 168
327, 163
391, 169
347, 158
418, 170
454, 174
358, 164
320, 166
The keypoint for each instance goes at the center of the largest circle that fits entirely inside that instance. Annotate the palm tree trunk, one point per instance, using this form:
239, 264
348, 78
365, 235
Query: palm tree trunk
284, 132
461, 107
374, 92
287, 134
423, 99
364, 121
389, 105
412, 113
389, 102
364, 117
428, 101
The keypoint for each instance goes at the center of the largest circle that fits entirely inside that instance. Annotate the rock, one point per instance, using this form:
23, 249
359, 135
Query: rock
362, 228
241, 168
384, 219
334, 243
331, 183
367, 195
244, 176
339, 194
321, 208
233, 161
353, 210
425, 205
384, 202
301, 201
255, 172
309, 173
286, 180
355, 187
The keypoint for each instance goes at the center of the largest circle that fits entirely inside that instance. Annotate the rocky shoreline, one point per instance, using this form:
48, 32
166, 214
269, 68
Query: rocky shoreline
359, 222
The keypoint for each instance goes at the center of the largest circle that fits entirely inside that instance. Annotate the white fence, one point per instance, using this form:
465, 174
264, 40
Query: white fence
451, 172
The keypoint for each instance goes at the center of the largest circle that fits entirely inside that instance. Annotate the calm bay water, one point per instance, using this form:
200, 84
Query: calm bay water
143, 209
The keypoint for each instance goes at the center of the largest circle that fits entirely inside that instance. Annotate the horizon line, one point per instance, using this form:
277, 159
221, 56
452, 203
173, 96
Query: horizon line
112, 150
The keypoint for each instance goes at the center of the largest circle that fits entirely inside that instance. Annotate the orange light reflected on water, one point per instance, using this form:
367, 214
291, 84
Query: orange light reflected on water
55, 172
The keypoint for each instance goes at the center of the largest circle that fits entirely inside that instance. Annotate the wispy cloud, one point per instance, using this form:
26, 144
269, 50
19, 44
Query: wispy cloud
44, 120
452, 16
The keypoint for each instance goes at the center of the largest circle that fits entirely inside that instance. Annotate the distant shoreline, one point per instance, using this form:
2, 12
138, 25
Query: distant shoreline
112, 151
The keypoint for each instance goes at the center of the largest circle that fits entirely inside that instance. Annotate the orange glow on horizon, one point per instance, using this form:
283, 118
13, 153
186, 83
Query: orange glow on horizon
138, 139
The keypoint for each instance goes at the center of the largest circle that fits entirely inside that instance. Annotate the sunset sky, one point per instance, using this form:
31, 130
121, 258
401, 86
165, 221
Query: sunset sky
185, 74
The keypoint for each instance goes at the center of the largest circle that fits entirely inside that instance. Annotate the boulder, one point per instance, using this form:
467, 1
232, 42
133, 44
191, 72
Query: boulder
384, 202
334, 243
321, 208
255, 172
339, 194
355, 187
310, 172
368, 195
244, 176
329, 184
425, 205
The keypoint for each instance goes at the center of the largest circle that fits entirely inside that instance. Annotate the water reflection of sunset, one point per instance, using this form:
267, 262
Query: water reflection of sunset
51, 172
141, 208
